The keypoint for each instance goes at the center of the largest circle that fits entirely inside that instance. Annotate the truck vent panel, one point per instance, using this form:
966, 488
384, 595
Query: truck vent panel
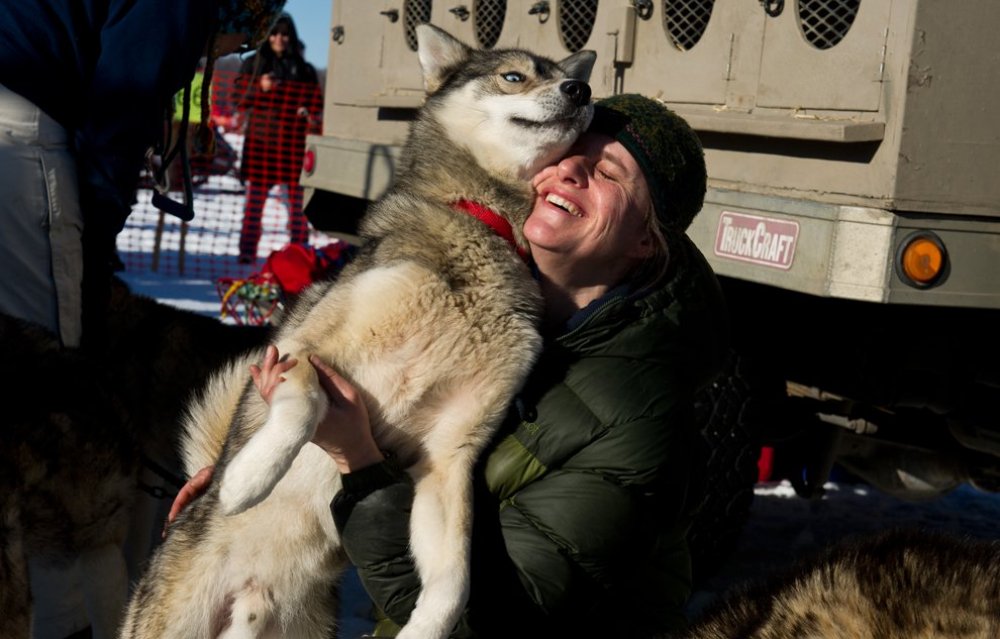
685, 21
824, 23
415, 12
488, 16
576, 22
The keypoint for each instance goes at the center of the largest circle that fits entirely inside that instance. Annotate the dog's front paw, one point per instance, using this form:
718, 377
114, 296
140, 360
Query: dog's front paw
435, 616
258, 467
421, 630
245, 483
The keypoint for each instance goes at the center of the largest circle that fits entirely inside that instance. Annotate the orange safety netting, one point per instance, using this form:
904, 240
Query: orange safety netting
247, 198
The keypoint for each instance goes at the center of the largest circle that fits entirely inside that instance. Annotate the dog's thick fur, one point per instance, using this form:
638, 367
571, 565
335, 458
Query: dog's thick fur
898, 585
67, 466
69, 463
435, 322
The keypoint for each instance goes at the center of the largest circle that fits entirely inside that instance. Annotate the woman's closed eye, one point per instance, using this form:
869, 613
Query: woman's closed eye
606, 173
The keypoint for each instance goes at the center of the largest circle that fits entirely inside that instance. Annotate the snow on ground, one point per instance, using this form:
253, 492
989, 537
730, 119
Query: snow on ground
205, 247
781, 529
189, 294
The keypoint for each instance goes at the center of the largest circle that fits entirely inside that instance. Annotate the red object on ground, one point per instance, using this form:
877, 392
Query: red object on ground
296, 266
765, 464
287, 271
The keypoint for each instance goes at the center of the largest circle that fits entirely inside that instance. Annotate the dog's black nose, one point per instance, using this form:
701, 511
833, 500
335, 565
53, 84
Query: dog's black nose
577, 91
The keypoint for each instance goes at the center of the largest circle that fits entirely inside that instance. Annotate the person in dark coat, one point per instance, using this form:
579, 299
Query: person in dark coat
584, 498
83, 89
282, 99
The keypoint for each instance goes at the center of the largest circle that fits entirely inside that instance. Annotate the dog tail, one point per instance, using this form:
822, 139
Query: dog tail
208, 417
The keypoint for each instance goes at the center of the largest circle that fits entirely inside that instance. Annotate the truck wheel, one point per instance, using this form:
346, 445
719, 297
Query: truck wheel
730, 413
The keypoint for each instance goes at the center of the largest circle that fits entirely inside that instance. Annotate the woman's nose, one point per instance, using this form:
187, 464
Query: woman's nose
573, 168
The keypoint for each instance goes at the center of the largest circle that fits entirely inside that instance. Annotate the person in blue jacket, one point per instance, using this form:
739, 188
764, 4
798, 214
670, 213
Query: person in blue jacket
83, 87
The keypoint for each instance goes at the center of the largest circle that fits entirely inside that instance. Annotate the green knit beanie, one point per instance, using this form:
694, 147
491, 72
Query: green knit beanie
667, 150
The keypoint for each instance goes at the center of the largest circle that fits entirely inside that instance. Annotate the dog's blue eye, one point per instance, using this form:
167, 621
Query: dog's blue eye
513, 76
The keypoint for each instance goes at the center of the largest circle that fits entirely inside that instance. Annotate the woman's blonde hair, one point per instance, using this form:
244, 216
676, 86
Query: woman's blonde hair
672, 160
651, 271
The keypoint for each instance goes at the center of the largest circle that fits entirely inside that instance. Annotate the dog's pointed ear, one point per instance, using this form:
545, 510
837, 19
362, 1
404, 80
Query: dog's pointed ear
579, 65
439, 53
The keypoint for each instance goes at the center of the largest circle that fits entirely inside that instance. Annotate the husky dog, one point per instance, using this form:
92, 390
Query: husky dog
897, 585
435, 321
69, 465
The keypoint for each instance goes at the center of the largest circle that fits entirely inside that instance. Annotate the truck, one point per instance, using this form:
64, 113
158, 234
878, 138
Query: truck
852, 212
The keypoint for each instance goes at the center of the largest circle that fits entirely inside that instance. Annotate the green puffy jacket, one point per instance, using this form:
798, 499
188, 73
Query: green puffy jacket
585, 496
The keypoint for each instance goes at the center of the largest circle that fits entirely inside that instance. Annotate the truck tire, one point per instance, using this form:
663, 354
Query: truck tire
730, 412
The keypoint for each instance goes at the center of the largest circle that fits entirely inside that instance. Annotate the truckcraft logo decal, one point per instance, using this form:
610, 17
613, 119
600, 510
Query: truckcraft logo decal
760, 240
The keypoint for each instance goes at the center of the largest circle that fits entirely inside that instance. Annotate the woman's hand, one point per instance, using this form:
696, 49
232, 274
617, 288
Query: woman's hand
344, 432
268, 375
190, 491
268, 81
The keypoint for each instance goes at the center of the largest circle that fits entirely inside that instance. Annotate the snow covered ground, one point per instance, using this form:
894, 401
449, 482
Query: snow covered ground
207, 246
782, 527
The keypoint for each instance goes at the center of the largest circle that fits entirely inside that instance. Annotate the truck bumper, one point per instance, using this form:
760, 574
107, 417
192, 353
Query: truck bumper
848, 252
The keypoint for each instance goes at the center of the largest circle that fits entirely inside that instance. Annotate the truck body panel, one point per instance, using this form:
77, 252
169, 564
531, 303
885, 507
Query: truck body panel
835, 132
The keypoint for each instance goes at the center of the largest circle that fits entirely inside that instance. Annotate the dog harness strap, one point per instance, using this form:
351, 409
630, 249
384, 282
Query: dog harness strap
492, 219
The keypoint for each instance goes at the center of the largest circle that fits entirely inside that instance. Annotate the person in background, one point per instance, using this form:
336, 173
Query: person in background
84, 85
217, 157
83, 89
177, 124
584, 498
283, 102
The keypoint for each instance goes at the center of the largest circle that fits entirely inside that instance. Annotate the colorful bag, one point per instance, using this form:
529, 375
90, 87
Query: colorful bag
286, 273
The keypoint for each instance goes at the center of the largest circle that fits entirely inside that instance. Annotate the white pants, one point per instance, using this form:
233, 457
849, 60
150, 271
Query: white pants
41, 225
41, 271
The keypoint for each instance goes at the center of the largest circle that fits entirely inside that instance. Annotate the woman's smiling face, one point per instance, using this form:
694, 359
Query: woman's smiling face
591, 208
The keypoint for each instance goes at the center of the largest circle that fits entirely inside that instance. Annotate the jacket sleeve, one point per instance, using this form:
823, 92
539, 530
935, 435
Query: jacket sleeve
372, 515
247, 81
148, 50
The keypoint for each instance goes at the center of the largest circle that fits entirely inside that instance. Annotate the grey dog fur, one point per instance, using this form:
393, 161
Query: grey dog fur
904, 584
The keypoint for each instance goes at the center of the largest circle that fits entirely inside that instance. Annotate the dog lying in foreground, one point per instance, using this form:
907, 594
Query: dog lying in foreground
435, 321
70, 464
898, 585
